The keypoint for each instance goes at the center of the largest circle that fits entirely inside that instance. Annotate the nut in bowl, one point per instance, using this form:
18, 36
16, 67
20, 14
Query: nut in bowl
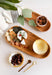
40, 47
41, 21
16, 59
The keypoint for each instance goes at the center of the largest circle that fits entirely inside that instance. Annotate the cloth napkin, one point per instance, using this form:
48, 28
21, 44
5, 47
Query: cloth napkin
5, 19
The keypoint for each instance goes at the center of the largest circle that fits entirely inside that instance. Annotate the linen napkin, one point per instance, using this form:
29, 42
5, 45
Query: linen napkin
5, 19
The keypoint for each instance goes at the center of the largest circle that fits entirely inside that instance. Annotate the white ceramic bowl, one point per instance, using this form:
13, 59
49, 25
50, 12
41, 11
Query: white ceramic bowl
40, 46
39, 24
10, 58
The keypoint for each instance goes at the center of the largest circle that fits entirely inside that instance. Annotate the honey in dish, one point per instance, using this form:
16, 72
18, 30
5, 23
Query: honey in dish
40, 46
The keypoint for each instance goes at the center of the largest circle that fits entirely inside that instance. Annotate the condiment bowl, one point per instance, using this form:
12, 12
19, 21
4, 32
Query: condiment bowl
41, 19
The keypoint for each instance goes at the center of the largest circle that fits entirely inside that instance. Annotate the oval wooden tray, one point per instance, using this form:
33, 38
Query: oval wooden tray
34, 17
29, 41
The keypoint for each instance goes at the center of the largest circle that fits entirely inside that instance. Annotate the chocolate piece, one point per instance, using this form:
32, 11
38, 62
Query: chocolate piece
17, 59
17, 29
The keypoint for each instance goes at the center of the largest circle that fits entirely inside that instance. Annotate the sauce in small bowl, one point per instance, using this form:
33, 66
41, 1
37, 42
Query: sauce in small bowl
41, 21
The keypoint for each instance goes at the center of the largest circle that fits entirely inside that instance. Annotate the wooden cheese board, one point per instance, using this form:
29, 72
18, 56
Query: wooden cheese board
34, 17
29, 43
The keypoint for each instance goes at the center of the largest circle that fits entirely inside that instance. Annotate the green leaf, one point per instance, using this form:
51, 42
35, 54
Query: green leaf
2, 0
27, 13
7, 6
14, 1
32, 23
21, 20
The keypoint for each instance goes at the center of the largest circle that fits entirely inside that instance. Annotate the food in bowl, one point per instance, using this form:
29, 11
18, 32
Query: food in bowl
41, 21
40, 46
16, 59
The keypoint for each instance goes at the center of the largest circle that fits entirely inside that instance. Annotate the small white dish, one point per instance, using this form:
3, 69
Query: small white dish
40, 46
42, 24
10, 58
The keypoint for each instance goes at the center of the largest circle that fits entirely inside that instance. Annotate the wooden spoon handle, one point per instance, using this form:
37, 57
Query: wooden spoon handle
29, 67
23, 67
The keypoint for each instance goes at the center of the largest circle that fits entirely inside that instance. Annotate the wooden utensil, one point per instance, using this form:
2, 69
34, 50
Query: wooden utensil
29, 43
31, 66
34, 17
29, 61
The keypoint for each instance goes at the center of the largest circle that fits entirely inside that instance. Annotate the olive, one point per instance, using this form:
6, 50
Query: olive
17, 29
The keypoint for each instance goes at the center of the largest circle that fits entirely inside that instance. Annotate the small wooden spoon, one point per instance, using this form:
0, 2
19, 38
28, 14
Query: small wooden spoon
29, 61
34, 17
31, 66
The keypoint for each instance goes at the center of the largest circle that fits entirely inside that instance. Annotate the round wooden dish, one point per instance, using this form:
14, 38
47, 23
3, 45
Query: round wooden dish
29, 42
34, 17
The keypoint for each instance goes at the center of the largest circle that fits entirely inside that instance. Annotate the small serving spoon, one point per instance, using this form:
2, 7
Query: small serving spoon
29, 61
31, 66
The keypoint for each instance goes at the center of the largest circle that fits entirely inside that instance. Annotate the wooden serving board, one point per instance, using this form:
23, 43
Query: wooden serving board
34, 17
29, 42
